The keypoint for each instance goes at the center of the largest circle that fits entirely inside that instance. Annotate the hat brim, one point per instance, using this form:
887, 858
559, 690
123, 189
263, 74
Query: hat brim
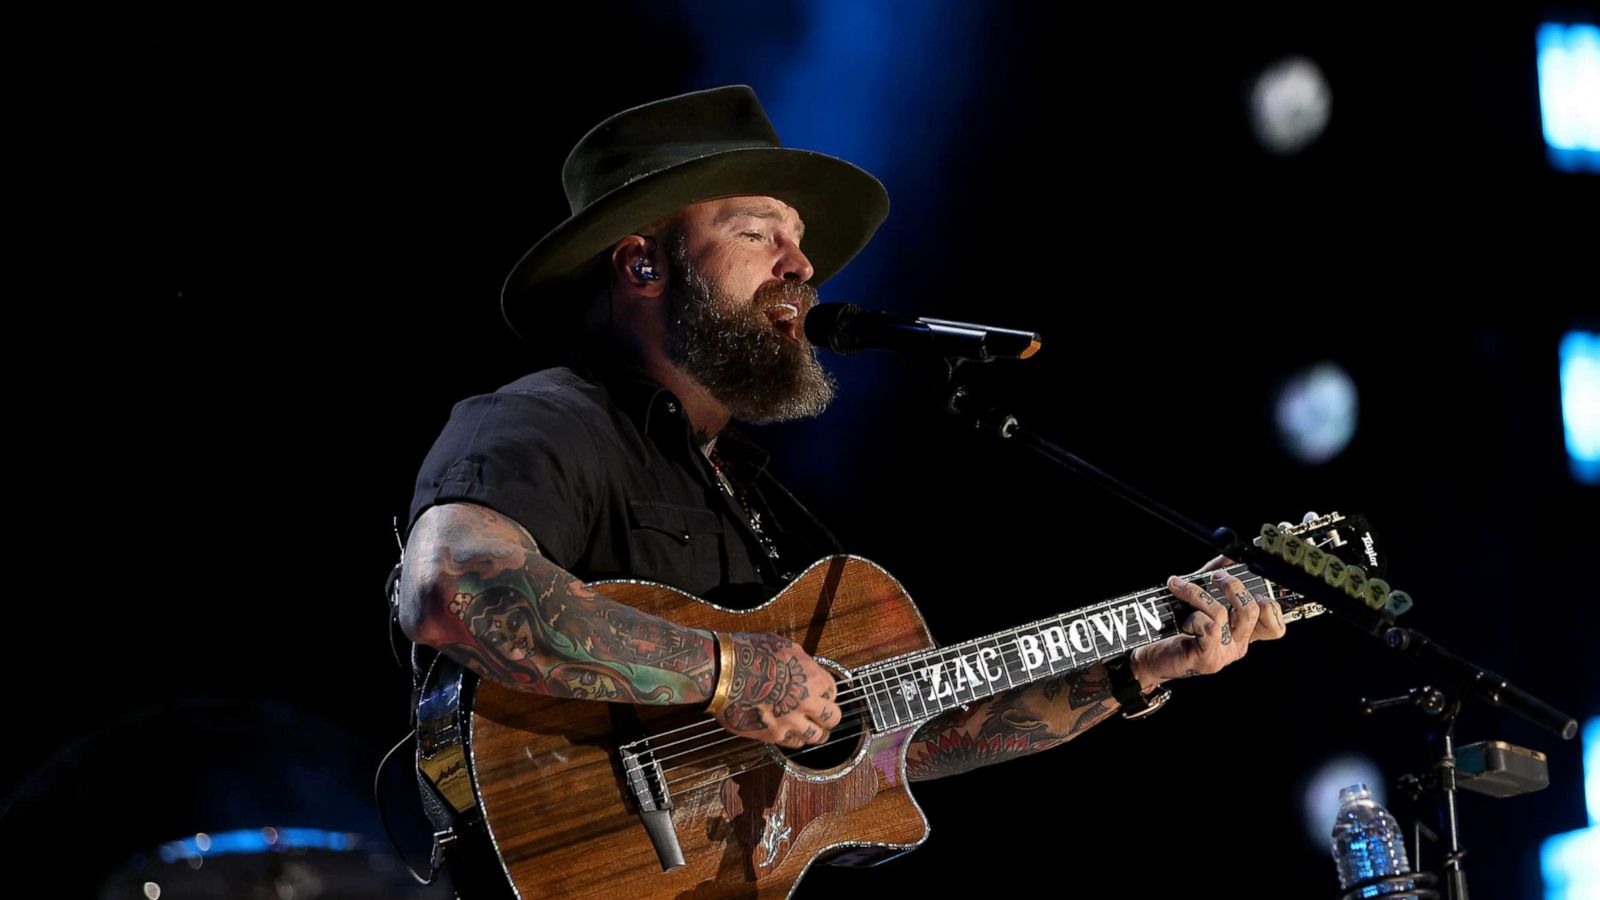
840, 204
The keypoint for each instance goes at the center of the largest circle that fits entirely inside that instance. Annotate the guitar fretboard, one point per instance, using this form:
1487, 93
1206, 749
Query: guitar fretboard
920, 686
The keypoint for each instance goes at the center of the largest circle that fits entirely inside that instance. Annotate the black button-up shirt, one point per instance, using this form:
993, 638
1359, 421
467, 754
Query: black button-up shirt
602, 469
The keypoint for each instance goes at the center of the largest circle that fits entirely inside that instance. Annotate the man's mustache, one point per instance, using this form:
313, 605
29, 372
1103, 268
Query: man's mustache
803, 296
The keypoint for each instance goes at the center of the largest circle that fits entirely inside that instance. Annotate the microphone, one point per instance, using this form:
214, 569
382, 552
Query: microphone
847, 328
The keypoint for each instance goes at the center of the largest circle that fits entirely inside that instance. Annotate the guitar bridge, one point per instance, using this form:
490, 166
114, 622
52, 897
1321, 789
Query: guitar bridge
649, 786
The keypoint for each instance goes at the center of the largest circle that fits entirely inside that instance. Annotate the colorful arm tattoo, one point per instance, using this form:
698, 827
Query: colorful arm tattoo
494, 603
1010, 724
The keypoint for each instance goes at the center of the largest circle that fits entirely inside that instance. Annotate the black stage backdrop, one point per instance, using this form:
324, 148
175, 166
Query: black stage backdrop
264, 258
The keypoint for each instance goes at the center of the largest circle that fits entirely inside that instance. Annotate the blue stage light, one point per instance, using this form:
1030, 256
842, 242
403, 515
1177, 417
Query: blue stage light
1289, 105
1580, 403
1570, 863
1569, 94
1316, 413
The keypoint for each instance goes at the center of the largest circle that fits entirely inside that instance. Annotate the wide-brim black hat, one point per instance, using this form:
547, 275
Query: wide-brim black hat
646, 162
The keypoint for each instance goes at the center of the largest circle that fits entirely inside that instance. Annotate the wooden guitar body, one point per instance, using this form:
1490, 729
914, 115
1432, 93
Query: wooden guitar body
557, 793
586, 798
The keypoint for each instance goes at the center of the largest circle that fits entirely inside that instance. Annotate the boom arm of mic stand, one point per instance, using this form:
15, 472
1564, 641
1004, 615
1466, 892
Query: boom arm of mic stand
1487, 686
1379, 623
962, 402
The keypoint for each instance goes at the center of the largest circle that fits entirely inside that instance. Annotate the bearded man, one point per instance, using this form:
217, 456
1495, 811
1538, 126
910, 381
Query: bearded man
677, 290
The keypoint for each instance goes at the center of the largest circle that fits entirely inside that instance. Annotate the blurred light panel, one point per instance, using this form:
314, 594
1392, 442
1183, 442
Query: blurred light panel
256, 840
1321, 800
1580, 403
1289, 105
1569, 94
1316, 413
1591, 772
1570, 863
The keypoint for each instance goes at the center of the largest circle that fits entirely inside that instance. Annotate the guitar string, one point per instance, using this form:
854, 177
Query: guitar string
760, 751
944, 652
726, 758
857, 705
1249, 579
756, 751
861, 685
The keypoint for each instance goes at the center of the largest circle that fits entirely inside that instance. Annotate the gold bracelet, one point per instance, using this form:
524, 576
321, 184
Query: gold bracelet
719, 700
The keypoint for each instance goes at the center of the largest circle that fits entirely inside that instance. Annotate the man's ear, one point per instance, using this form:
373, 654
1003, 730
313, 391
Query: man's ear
637, 266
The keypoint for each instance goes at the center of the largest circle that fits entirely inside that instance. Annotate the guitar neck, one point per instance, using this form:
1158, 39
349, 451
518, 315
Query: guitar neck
914, 688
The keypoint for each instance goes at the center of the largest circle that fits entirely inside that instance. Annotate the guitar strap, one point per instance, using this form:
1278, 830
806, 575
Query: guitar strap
439, 814
437, 811
422, 656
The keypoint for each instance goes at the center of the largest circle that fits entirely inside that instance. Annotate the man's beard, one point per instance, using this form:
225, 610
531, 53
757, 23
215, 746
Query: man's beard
732, 349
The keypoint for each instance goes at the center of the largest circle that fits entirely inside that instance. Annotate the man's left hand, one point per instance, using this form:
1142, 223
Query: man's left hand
1217, 633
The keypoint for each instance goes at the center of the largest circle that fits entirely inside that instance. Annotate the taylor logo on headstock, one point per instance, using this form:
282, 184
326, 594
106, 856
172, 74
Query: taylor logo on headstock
1297, 546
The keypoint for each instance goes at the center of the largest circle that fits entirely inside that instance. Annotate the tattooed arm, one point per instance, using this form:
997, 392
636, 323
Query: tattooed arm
475, 586
1012, 723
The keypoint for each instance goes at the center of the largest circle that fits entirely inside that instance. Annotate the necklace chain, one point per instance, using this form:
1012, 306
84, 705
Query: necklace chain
739, 496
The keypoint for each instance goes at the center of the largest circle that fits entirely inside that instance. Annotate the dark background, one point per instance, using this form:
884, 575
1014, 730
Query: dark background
274, 249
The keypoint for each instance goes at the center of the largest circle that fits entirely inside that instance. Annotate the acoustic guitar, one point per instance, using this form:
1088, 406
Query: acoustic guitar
579, 798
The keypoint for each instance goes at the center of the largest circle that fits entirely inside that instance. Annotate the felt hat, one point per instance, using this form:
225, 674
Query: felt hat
652, 160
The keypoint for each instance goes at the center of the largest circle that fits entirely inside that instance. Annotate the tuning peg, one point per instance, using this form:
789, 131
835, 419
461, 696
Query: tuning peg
1309, 517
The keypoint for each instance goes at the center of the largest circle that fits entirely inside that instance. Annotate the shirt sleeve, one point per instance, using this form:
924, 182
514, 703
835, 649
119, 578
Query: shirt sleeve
530, 456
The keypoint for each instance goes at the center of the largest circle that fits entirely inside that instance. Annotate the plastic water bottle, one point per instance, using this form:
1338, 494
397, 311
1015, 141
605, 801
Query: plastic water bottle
1367, 843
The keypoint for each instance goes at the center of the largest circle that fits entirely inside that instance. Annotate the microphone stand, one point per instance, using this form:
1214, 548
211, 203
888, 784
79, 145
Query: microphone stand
960, 397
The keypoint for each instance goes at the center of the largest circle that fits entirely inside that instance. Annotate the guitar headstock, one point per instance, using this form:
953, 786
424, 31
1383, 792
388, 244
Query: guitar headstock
1350, 539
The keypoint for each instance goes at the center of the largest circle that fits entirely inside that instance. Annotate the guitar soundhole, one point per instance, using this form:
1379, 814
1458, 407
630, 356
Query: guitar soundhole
843, 742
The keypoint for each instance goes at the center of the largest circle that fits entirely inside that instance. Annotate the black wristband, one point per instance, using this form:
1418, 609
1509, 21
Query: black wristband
1128, 691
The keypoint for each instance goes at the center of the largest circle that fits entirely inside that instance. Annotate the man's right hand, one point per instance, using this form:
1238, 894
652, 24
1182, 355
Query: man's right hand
779, 694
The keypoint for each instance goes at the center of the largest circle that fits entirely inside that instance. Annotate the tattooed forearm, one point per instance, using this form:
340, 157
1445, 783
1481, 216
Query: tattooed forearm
1010, 724
477, 588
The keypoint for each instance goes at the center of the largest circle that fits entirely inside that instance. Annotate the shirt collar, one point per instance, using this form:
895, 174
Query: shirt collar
637, 394
646, 401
